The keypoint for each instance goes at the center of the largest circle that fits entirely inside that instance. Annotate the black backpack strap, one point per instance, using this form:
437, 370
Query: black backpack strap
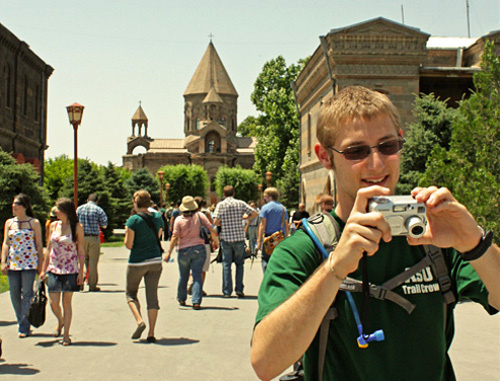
378, 292
441, 271
148, 221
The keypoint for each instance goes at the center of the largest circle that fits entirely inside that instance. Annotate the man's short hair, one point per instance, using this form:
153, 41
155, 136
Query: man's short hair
327, 200
272, 192
351, 104
93, 197
142, 198
228, 191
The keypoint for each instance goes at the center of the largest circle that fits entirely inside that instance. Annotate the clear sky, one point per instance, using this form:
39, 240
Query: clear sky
109, 55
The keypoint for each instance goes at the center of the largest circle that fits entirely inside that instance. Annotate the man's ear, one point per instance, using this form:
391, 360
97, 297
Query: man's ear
323, 156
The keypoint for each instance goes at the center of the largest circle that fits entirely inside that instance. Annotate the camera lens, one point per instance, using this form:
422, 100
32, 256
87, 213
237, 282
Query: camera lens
417, 230
415, 227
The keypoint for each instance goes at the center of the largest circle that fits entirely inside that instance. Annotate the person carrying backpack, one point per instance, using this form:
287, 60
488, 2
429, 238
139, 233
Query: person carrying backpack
360, 140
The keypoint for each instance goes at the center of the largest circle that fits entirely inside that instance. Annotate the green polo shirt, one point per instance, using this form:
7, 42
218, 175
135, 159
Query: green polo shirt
145, 245
415, 346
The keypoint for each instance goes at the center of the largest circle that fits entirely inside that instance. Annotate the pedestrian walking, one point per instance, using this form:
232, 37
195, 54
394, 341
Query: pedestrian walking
142, 236
273, 218
63, 265
22, 253
92, 217
229, 216
251, 228
188, 236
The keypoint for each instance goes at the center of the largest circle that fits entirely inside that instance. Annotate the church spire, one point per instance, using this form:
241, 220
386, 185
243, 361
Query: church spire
211, 73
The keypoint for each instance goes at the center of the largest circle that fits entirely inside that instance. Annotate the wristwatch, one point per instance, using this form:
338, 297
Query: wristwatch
481, 248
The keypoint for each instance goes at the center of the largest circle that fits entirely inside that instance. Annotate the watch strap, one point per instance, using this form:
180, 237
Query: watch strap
481, 248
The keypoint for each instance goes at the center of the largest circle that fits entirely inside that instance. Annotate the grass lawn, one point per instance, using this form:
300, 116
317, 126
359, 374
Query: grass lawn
4, 283
113, 241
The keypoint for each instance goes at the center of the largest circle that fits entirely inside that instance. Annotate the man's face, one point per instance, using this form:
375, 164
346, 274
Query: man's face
376, 169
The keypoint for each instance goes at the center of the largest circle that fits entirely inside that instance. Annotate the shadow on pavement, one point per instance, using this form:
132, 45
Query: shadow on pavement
7, 323
20, 369
51, 343
171, 341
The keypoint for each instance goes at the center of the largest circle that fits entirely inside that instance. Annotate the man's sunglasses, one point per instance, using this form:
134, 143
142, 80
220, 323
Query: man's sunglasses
361, 152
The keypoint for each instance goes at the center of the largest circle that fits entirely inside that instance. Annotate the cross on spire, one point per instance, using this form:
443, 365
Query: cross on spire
211, 36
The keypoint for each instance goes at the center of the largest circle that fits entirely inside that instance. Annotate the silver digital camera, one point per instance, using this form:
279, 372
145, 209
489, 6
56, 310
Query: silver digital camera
404, 214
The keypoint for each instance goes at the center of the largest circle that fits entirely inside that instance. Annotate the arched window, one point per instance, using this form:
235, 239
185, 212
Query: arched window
212, 142
198, 123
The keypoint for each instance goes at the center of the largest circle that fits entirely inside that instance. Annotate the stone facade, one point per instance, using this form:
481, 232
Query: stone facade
386, 56
23, 101
210, 123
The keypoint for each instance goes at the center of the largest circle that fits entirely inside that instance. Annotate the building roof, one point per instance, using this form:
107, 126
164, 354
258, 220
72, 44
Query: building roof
139, 115
450, 42
210, 73
212, 97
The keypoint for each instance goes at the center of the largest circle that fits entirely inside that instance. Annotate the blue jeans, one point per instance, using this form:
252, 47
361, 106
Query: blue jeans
252, 237
232, 252
21, 292
191, 258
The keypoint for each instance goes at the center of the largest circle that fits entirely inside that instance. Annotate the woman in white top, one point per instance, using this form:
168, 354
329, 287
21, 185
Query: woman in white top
22, 251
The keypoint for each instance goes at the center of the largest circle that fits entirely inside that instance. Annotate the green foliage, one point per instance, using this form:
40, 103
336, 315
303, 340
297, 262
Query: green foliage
249, 126
115, 199
277, 128
57, 172
470, 168
20, 178
143, 179
185, 180
90, 180
244, 181
432, 127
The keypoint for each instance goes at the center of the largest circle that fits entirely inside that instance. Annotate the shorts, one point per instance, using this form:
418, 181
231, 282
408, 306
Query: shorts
62, 282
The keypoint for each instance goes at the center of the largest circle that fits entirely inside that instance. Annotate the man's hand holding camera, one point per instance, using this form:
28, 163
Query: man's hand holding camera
362, 233
449, 223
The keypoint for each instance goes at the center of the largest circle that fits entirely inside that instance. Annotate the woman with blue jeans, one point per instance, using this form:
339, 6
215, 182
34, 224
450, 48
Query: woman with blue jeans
22, 252
191, 249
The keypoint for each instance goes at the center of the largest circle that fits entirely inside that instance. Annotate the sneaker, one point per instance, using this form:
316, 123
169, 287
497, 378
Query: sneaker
240, 294
196, 306
94, 289
226, 296
181, 303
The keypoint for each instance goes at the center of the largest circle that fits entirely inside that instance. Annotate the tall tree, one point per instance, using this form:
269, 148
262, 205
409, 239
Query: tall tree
185, 180
244, 181
143, 179
433, 120
277, 129
20, 178
470, 168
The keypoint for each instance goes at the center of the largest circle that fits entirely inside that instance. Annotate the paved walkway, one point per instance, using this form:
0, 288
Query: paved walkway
210, 344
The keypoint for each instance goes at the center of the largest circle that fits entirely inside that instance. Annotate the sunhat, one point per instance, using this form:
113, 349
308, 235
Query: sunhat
188, 204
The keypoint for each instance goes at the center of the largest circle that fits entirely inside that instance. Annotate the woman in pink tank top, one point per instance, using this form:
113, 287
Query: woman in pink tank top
63, 264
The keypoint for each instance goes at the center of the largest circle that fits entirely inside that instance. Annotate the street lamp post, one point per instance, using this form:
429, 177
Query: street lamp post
160, 175
259, 187
269, 176
167, 189
75, 112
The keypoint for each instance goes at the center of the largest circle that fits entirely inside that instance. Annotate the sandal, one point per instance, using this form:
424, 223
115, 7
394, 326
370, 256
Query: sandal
151, 339
138, 332
66, 342
58, 330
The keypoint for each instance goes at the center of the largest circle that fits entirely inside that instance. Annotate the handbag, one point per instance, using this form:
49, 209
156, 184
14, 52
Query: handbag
274, 239
204, 232
36, 312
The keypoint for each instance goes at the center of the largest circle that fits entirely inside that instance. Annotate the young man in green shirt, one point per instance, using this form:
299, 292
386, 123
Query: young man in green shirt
360, 139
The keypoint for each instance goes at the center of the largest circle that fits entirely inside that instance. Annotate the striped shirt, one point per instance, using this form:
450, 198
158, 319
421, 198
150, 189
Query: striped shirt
91, 217
230, 212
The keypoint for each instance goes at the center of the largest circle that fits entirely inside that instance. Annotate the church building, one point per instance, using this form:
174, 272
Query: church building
210, 125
